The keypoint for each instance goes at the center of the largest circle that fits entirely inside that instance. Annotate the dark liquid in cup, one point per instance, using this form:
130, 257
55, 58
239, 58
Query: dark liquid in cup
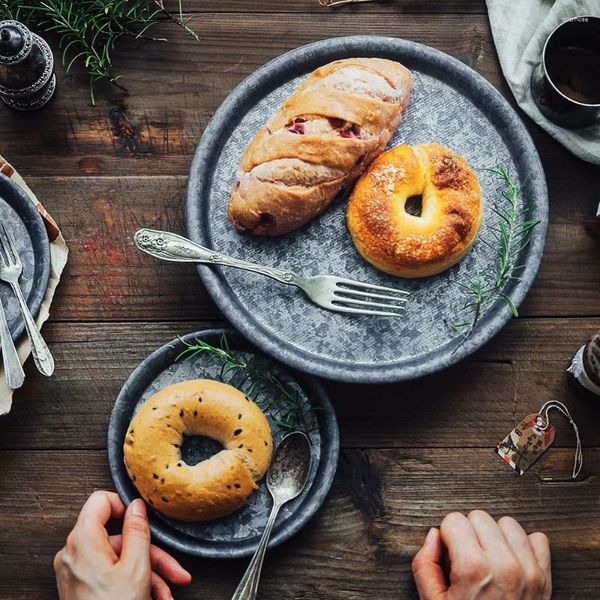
575, 71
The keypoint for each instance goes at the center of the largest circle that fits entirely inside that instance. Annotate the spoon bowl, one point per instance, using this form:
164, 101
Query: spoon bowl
289, 469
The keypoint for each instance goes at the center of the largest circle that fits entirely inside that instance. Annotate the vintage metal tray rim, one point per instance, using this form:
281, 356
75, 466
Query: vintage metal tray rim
223, 123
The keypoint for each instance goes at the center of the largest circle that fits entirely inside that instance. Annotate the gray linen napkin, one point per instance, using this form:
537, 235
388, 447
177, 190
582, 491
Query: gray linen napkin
520, 29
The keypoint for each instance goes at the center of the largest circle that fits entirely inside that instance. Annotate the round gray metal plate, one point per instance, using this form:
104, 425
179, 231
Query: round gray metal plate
24, 222
237, 535
451, 104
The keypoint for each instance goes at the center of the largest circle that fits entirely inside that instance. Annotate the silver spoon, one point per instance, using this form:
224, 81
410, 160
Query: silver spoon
286, 479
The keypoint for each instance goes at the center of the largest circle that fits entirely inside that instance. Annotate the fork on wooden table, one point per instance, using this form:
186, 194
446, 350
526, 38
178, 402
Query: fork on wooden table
11, 269
13, 371
338, 294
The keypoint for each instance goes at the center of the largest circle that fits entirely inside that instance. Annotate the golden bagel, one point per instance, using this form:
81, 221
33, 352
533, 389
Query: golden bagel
402, 244
215, 487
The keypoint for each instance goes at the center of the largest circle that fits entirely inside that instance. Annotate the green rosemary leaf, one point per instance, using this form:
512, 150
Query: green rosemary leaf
510, 303
286, 406
512, 237
89, 30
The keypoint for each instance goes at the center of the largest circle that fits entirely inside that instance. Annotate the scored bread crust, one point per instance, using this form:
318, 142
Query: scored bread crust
212, 488
399, 243
319, 141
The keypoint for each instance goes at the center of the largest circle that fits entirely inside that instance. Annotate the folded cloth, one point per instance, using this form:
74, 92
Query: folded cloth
520, 29
58, 260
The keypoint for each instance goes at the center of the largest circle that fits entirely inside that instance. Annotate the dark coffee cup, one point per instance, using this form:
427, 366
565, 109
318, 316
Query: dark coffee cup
566, 83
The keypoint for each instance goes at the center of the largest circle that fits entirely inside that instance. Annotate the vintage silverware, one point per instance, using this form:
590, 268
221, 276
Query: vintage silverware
286, 479
13, 371
333, 293
10, 272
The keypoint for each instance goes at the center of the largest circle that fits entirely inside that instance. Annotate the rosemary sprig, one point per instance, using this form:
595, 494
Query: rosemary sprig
511, 238
178, 19
284, 403
88, 30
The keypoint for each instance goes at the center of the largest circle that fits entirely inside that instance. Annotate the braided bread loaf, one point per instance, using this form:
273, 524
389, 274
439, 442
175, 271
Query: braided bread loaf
318, 143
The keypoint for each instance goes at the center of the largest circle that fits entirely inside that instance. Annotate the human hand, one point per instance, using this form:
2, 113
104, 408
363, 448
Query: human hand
486, 561
96, 566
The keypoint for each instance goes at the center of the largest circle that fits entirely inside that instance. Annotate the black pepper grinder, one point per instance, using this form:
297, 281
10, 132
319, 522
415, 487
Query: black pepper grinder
27, 80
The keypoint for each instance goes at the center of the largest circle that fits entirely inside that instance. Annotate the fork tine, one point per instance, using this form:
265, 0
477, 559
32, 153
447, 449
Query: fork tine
3, 250
361, 311
365, 303
368, 286
11, 243
339, 291
4, 235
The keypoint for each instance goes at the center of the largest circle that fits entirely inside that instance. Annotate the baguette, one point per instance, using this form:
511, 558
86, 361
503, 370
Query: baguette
318, 143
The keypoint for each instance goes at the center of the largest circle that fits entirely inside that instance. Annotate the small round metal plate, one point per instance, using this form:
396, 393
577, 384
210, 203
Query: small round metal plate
22, 219
452, 105
237, 535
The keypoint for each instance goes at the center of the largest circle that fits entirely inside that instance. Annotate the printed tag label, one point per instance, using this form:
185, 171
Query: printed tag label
526, 443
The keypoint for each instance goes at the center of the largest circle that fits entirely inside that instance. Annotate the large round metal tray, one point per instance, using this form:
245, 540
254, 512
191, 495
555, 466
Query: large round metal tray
452, 105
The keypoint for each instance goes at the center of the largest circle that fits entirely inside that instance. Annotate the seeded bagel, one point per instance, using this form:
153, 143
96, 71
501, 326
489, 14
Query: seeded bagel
215, 487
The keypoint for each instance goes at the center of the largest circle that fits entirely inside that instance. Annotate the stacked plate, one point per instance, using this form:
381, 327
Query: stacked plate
22, 220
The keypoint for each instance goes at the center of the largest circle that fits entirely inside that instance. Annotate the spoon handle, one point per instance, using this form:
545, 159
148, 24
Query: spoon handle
248, 587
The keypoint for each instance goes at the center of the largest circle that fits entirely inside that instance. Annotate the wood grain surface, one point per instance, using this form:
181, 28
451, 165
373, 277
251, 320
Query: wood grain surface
411, 452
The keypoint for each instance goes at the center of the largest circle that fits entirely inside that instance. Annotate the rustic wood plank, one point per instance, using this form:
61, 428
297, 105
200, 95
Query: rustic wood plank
105, 171
360, 544
174, 89
442, 7
107, 278
474, 404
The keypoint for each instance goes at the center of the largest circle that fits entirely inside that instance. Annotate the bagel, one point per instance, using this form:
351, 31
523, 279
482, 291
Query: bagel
403, 244
215, 487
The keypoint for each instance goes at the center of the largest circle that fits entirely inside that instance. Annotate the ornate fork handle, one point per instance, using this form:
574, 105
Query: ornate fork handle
175, 248
12, 366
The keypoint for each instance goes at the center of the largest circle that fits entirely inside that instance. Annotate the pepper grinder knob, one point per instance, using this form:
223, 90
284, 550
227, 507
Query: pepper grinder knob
10, 43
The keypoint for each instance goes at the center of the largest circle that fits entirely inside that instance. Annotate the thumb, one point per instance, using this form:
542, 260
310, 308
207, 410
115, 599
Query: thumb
136, 535
427, 568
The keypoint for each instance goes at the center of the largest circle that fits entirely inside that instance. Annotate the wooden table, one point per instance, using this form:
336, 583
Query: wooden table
411, 452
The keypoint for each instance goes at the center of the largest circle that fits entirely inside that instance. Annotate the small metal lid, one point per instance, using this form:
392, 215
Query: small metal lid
591, 359
15, 42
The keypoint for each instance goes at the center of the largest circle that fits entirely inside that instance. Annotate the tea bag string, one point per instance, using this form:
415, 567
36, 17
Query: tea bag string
559, 406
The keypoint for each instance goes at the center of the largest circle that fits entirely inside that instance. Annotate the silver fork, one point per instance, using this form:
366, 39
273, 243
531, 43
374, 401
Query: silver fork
10, 272
333, 293
13, 371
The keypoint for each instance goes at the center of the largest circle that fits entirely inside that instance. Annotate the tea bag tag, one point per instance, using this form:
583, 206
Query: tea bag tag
526, 442
533, 436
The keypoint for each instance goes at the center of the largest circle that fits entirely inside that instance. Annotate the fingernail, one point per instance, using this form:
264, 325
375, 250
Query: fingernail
430, 536
138, 508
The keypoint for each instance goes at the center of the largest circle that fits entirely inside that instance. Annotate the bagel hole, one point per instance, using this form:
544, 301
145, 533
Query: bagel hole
196, 448
414, 206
